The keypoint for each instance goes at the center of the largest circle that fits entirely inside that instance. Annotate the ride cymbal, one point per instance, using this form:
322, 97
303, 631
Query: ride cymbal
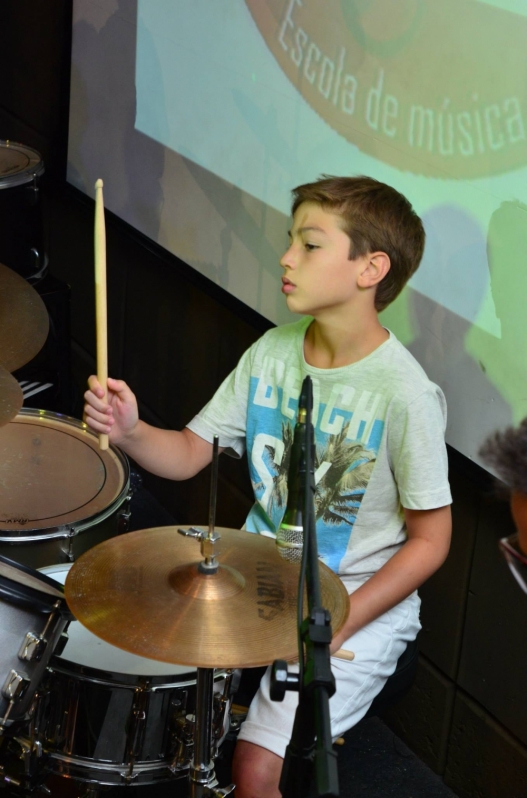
143, 592
24, 320
11, 397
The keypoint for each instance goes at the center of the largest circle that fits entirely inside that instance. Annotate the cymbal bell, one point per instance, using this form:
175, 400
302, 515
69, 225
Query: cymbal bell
24, 320
144, 592
11, 397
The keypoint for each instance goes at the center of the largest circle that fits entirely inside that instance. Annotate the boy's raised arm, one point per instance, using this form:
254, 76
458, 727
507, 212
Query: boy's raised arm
167, 453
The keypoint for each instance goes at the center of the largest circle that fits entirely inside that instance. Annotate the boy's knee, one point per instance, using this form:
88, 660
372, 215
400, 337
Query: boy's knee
256, 771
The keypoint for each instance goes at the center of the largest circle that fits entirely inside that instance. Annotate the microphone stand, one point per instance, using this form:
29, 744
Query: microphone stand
310, 763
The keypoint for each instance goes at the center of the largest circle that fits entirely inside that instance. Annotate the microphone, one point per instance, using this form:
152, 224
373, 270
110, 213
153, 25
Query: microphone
290, 534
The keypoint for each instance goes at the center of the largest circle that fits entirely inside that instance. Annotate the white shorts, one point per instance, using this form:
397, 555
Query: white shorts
377, 647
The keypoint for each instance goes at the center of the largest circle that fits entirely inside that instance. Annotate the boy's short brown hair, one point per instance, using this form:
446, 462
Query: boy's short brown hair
376, 217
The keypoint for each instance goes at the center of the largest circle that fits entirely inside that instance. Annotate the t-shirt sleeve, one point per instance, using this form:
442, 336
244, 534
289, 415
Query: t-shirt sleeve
417, 452
226, 413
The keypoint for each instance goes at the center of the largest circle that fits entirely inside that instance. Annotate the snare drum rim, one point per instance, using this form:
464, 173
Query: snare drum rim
27, 597
69, 529
148, 683
24, 176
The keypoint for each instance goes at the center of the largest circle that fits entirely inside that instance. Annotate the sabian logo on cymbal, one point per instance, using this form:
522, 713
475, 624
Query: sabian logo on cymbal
270, 592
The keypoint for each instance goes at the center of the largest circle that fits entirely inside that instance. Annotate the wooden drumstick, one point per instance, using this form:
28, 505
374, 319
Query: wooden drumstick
100, 299
343, 654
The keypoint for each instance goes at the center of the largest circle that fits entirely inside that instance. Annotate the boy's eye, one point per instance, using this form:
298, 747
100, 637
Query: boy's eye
310, 247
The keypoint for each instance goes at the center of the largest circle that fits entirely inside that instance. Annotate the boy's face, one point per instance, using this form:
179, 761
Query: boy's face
318, 273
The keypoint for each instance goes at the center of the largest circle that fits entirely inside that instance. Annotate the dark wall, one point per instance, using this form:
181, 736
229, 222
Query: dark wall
174, 336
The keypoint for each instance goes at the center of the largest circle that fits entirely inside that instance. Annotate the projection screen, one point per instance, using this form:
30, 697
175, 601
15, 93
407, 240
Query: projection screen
201, 116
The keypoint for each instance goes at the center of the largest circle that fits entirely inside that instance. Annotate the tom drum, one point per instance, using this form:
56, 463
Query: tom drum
59, 494
22, 245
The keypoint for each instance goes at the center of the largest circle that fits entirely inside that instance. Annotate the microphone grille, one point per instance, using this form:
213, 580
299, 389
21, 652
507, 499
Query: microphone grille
290, 542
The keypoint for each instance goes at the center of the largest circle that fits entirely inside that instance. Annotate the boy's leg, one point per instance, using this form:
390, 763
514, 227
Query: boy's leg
256, 771
269, 724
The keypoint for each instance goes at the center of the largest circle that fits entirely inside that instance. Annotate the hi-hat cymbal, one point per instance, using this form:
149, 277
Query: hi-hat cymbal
143, 592
24, 320
11, 397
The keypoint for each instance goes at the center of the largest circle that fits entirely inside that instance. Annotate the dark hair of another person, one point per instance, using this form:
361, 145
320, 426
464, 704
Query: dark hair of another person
377, 218
506, 452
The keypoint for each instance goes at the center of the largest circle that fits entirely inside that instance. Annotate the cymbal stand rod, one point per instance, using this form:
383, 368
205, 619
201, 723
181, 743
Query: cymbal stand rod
202, 769
213, 485
209, 542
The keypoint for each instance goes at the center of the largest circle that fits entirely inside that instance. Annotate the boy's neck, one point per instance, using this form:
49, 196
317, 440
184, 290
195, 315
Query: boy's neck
330, 344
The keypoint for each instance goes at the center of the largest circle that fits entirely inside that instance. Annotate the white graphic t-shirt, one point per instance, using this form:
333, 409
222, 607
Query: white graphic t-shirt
379, 433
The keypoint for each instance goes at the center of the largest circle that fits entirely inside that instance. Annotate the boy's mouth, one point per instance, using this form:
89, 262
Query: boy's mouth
287, 286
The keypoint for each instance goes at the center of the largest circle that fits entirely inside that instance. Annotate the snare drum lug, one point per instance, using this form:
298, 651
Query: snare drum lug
15, 686
30, 751
123, 517
185, 743
68, 550
32, 648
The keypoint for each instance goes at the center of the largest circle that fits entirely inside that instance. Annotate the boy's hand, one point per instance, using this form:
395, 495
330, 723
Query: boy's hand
118, 417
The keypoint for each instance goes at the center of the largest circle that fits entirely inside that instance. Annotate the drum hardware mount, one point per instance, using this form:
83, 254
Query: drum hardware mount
203, 781
33, 646
138, 717
124, 514
68, 547
209, 547
14, 687
29, 778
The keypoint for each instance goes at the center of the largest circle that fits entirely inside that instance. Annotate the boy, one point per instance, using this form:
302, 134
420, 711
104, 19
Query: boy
383, 501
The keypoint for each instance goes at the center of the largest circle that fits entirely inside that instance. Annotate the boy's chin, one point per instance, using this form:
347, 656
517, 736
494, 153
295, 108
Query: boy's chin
294, 306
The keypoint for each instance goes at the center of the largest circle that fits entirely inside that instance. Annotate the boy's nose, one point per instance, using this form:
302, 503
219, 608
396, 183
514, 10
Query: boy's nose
287, 261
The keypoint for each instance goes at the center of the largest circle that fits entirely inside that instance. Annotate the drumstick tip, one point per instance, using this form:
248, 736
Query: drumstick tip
99, 183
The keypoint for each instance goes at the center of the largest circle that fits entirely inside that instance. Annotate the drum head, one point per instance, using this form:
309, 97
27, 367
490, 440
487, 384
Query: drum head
52, 473
18, 164
84, 648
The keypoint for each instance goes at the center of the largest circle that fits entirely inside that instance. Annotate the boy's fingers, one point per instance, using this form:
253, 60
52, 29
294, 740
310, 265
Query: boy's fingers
96, 427
95, 386
99, 417
117, 385
98, 404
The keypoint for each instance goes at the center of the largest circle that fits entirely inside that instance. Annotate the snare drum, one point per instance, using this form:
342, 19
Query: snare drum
59, 493
33, 615
110, 717
22, 245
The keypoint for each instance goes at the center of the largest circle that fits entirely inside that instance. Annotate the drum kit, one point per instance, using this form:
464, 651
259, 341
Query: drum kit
125, 676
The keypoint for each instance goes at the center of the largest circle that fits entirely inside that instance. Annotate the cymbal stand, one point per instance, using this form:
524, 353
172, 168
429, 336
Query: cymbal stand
203, 782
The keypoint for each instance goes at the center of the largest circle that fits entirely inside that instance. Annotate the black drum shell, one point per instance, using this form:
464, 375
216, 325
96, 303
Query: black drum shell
87, 714
22, 231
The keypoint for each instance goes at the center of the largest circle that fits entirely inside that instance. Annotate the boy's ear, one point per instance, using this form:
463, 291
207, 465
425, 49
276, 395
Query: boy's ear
376, 267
